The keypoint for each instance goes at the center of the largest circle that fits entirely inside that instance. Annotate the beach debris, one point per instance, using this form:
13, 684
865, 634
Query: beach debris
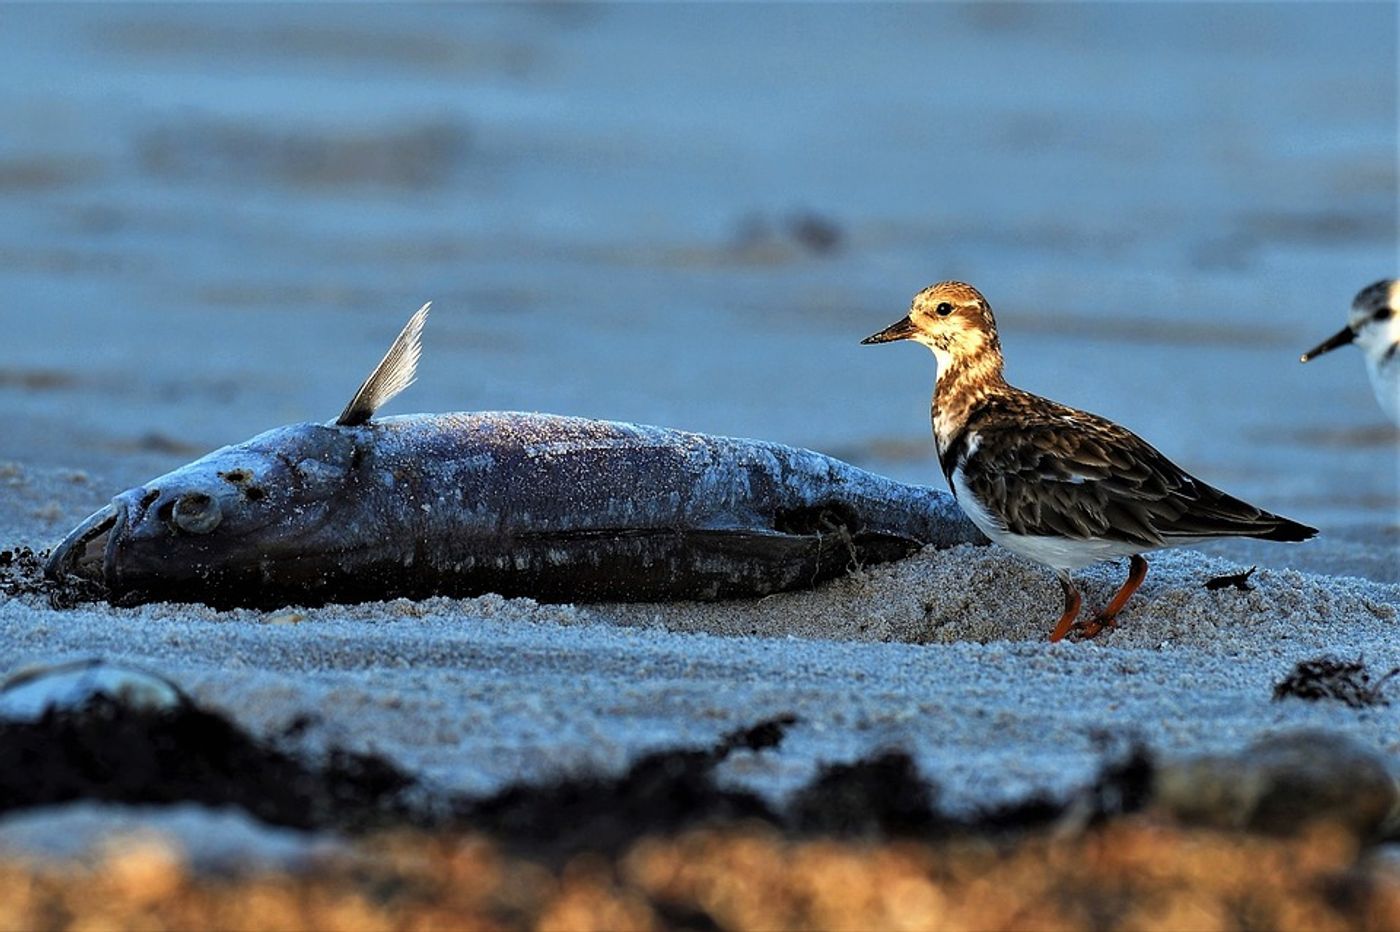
110, 732
881, 797
81, 686
153, 441
126, 735
1239, 581
166, 749
816, 232
36, 380
176, 751
1346, 681
415, 155
761, 737
1283, 784
1122, 787
761, 237
1124, 783
558, 509
21, 571
661, 792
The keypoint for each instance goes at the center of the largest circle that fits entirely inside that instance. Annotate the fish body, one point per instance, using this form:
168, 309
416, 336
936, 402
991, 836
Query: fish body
554, 508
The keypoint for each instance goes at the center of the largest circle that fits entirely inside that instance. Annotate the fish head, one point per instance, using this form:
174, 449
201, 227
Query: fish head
222, 518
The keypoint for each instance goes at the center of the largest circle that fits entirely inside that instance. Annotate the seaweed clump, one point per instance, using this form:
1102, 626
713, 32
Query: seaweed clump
112, 750
1346, 681
22, 573
109, 751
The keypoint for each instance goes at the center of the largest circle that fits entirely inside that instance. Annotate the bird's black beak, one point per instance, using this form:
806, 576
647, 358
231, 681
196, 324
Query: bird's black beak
1340, 338
899, 330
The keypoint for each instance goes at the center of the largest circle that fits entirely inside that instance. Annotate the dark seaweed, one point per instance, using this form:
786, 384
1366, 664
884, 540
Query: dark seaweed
661, 793
1124, 784
22, 573
110, 752
1239, 580
760, 737
877, 798
1329, 678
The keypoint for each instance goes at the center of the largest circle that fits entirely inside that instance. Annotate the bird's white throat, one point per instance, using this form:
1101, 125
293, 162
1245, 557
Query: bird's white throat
1377, 340
943, 358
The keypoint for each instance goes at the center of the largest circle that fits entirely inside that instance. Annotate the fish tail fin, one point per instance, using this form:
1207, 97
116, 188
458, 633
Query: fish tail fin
395, 372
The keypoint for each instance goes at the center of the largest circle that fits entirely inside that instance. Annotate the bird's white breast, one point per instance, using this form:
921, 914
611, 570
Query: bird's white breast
1376, 341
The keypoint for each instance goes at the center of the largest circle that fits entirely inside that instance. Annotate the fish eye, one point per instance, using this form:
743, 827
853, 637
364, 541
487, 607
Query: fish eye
196, 513
943, 309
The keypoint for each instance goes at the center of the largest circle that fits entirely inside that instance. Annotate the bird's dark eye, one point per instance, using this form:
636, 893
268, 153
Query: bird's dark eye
944, 309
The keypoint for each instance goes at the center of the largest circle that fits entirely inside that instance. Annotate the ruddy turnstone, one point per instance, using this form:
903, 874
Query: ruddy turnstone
1059, 486
1374, 325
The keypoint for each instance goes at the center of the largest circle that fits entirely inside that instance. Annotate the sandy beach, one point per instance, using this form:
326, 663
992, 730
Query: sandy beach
942, 654
689, 217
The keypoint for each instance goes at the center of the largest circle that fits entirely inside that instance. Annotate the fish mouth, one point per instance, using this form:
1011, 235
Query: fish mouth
85, 552
1340, 338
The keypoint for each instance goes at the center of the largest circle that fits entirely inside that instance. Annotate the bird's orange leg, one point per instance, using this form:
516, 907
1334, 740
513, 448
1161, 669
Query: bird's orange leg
1072, 603
1137, 572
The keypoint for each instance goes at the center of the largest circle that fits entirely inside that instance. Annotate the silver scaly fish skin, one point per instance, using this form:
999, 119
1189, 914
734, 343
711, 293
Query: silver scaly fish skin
550, 507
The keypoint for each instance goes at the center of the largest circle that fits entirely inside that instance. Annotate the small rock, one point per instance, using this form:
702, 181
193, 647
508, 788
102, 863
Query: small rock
50, 511
1283, 784
814, 232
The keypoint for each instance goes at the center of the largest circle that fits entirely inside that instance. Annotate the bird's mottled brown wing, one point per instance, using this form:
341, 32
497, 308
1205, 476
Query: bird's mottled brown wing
1050, 470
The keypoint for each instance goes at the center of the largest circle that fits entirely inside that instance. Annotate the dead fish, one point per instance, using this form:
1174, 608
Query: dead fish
556, 508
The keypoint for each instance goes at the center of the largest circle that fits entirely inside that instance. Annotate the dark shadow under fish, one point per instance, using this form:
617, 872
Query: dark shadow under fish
555, 508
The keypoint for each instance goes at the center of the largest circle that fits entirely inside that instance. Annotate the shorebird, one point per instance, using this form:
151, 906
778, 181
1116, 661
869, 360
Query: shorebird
1374, 326
1059, 486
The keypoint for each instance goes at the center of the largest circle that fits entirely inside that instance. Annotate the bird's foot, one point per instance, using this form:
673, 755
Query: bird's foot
1095, 626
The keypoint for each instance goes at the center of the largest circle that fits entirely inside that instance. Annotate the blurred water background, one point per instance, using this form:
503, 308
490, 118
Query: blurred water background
214, 218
